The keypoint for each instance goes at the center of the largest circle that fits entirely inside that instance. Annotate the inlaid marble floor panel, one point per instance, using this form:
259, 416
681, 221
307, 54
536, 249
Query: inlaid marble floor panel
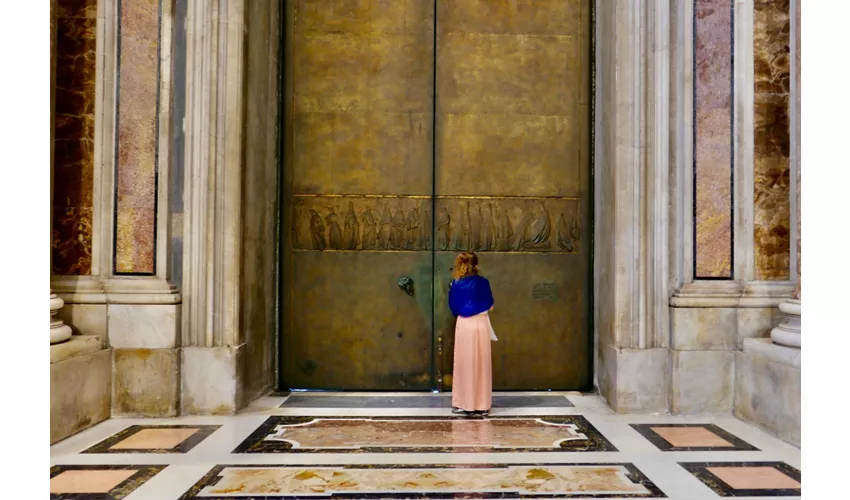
271, 451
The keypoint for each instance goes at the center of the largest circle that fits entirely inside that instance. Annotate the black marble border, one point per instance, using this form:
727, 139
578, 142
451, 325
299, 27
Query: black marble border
143, 474
662, 444
187, 444
700, 471
254, 443
634, 474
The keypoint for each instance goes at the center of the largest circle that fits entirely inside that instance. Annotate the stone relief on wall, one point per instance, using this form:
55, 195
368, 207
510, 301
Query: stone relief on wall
344, 223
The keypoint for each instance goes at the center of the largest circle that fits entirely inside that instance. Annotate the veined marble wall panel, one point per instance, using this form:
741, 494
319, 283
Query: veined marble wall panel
772, 157
73, 161
713, 176
138, 112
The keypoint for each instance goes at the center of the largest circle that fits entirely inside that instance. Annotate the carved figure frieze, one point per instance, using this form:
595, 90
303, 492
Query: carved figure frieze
351, 229
352, 223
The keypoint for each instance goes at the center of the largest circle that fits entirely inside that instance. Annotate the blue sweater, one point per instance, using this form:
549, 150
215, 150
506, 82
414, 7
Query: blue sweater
470, 296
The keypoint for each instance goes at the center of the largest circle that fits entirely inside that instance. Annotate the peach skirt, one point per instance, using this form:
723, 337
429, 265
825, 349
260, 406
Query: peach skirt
472, 376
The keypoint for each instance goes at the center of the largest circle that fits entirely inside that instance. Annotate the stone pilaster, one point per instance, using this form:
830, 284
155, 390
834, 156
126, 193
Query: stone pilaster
213, 343
631, 198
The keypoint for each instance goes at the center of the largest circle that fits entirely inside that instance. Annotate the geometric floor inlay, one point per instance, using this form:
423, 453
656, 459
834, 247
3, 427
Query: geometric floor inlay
747, 479
425, 481
691, 437
98, 482
287, 434
154, 439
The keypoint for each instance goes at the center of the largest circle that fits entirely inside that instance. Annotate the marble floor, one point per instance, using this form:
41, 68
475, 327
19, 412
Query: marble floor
370, 446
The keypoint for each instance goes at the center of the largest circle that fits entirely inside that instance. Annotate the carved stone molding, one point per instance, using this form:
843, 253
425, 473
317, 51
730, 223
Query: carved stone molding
132, 290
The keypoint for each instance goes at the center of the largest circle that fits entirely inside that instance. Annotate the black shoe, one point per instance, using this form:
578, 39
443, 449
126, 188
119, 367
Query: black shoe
459, 411
481, 413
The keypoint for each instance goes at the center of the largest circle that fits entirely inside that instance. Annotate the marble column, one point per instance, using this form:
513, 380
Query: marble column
59, 331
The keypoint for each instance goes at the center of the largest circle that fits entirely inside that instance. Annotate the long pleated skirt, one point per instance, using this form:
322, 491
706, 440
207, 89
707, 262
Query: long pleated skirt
472, 376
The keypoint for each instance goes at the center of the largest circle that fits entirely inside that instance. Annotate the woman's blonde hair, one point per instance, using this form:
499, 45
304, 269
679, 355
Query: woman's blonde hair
466, 264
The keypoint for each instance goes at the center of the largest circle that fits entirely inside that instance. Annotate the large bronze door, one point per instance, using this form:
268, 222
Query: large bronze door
358, 187
415, 129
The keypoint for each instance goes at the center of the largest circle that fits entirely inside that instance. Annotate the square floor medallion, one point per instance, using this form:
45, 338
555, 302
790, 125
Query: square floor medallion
274, 482
154, 439
748, 479
691, 437
98, 482
288, 434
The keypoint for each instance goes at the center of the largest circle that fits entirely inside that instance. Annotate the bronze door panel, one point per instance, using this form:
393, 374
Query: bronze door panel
362, 97
357, 302
352, 327
513, 181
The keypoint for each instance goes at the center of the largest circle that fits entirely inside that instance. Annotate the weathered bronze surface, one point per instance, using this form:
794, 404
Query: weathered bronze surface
380, 192
358, 181
512, 119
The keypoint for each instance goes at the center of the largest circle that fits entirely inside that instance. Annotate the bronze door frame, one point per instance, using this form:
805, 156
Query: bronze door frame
436, 352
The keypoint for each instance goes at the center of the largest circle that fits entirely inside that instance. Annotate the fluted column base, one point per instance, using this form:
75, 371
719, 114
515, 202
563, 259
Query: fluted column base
59, 331
787, 333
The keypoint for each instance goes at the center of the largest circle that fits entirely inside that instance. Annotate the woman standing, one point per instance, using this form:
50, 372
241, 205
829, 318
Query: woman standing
470, 300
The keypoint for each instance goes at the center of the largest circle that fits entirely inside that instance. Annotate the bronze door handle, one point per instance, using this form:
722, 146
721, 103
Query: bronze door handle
406, 284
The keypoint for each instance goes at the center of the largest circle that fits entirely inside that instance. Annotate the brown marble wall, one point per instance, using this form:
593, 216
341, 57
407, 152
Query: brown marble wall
138, 112
772, 165
713, 141
73, 161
